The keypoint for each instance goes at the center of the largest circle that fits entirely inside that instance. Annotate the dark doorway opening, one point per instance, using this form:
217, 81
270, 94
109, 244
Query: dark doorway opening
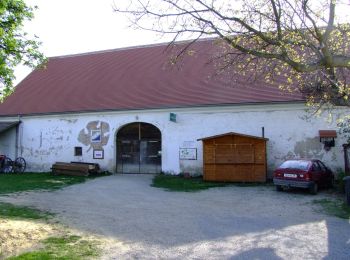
139, 149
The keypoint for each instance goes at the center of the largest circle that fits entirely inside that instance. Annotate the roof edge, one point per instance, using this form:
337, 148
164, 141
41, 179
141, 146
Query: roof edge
233, 133
156, 108
168, 43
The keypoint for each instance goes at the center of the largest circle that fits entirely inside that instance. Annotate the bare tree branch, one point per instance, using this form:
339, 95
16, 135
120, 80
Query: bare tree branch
305, 41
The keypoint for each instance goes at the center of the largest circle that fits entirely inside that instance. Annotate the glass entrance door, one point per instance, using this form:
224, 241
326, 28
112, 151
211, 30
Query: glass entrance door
129, 156
150, 156
139, 149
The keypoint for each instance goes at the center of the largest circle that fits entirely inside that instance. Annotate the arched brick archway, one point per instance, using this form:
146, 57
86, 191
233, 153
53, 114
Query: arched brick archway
138, 148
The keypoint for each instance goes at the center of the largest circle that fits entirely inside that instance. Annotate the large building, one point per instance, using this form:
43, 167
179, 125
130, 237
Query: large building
133, 111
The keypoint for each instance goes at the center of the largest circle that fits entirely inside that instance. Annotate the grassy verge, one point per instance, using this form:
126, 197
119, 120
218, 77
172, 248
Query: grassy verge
334, 207
10, 183
10, 211
179, 183
66, 247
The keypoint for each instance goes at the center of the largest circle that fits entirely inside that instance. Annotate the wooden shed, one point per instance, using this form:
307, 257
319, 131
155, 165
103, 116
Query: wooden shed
234, 157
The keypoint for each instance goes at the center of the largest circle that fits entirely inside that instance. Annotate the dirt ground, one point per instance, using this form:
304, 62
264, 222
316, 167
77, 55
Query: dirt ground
135, 220
19, 235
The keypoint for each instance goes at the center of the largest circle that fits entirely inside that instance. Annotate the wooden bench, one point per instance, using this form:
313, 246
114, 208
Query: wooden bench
75, 168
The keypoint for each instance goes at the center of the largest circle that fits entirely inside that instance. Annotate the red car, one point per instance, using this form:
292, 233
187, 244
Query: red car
308, 174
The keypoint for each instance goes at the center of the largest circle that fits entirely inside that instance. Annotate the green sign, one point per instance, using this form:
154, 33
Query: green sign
172, 117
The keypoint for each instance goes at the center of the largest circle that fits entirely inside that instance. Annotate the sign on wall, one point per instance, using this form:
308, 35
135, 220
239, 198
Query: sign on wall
172, 117
98, 154
188, 153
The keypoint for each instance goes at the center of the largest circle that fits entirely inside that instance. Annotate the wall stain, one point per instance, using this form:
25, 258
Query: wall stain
41, 139
334, 156
309, 148
85, 135
191, 167
290, 155
71, 121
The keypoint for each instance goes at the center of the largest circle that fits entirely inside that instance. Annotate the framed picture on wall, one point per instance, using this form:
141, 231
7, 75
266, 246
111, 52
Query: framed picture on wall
96, 136
98, 154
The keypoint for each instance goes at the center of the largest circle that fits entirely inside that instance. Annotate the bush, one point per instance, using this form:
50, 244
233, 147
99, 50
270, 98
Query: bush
340, 184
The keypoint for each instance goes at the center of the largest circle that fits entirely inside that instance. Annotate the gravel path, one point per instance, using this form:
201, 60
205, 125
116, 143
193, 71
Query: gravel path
233, 222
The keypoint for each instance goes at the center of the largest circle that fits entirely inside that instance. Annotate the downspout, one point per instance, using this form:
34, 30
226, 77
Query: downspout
265, 142
346, 159
17, 144
263, 132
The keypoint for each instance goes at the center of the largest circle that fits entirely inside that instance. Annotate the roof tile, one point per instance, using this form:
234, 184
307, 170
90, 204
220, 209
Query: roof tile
133, 78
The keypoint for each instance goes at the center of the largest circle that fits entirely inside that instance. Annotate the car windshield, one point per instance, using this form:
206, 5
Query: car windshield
300, 165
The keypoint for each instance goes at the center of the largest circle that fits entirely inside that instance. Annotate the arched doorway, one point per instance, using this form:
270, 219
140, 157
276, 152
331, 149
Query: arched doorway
139, 149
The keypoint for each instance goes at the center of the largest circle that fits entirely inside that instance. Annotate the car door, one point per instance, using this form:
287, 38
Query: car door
316, 172
325, 174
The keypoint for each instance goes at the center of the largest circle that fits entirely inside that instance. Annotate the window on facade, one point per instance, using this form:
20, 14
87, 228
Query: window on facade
316, 167
78, 151
322, 167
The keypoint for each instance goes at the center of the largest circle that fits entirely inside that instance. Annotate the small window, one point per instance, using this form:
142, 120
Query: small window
316, 167
323, 168
78, 151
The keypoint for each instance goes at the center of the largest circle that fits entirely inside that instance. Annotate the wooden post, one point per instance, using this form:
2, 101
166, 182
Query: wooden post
346, 158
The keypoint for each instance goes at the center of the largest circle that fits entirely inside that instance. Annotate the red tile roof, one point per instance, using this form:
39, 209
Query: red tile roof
133, 78
327, 133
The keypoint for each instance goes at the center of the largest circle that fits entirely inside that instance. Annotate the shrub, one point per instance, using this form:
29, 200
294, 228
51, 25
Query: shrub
340, 184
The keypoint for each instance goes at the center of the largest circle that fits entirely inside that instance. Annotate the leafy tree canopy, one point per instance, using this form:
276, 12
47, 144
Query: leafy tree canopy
306, 42
15, 45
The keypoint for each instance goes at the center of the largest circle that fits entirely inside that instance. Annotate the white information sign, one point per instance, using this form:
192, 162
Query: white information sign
188, 153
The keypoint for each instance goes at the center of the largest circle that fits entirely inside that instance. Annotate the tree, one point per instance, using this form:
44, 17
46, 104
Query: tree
306, 42
15, 45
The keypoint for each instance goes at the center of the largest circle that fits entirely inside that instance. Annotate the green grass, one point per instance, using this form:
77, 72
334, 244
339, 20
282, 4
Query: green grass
66, 247
10, 211
63, 248
334, 207
10, 183
179, 183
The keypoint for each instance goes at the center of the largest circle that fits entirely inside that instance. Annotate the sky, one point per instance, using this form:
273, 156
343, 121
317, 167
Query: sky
77, 26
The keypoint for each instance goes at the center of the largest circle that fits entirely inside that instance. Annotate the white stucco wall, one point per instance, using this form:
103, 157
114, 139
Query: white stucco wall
50, 138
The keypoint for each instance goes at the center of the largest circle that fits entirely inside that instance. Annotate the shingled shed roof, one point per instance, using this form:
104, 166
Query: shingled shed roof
231, 134
134, 78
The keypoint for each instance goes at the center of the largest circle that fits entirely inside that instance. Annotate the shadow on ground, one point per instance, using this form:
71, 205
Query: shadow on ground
230, 223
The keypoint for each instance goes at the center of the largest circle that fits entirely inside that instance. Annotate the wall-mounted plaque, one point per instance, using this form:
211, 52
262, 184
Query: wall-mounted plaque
188, 153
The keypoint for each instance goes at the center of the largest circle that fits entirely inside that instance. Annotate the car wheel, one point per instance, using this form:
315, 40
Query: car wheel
314, 189
279, 188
